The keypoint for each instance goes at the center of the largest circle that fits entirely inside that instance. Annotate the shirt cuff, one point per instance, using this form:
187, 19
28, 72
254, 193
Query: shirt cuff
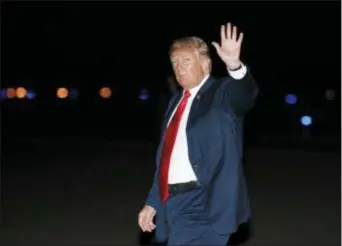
238, 74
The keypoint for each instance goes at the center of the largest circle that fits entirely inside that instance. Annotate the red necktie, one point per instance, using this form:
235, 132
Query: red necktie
169, 141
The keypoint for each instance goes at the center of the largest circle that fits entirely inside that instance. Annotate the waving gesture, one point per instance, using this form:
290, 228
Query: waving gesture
230, 48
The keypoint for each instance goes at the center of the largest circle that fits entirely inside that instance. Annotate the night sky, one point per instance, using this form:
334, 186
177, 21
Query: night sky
290, 47
112, 39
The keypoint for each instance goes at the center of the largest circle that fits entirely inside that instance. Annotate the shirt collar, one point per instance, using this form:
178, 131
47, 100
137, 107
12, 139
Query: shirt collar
193, 91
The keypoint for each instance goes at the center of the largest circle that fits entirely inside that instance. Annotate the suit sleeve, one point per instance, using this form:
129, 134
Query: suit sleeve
241, 90
153, 198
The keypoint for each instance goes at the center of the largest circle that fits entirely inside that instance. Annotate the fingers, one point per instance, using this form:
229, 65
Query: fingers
141, 221
232, 33
240, 38
229, 32
229, 36
223, 34
217, 47
151, 226
145, 221
148, 223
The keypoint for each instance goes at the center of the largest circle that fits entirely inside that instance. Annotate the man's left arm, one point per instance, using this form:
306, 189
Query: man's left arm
241, 89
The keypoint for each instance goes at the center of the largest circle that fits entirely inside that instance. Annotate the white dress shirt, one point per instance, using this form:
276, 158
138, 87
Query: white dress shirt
180, 170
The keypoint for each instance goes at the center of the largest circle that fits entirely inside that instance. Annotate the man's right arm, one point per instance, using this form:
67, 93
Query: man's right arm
149, 211
153, 198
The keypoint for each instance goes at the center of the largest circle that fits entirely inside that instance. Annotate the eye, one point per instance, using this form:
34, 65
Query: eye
187, 61
173, 62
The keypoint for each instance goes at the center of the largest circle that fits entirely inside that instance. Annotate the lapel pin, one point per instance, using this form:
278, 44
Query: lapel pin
198, 97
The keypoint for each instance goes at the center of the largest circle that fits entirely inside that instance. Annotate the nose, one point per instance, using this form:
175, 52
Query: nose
179, 70
180, 74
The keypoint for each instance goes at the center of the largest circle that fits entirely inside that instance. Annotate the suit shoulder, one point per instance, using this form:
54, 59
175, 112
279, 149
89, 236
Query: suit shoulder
224, 80
221, 85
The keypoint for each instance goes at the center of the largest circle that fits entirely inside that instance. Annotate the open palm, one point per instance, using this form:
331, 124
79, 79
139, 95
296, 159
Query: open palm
230, 48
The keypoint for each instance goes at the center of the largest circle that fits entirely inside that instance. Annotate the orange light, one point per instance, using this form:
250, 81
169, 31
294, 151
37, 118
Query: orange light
21, 92
62, 93
11, 93
105, 92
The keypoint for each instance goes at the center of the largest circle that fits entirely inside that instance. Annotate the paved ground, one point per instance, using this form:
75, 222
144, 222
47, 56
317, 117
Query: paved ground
89, 192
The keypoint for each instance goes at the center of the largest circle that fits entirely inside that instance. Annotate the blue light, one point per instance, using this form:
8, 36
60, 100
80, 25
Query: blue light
3, 94
144, 95
30, 94
306, 120
291, 99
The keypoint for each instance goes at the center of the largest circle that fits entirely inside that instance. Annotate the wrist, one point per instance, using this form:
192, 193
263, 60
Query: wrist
234, 66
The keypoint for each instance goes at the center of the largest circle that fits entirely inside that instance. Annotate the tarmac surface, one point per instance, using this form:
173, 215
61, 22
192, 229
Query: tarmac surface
70, 191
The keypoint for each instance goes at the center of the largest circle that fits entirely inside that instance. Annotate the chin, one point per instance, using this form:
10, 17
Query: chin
185, 86
181, 83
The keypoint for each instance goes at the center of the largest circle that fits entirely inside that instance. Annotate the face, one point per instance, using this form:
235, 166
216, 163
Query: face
188, 66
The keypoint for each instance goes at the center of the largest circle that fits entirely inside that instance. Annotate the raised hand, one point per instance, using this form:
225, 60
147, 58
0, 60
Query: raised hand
230, 48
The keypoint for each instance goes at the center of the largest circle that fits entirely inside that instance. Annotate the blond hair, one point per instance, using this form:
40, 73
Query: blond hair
193, 43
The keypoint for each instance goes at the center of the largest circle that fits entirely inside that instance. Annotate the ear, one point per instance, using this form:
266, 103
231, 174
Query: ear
205, 63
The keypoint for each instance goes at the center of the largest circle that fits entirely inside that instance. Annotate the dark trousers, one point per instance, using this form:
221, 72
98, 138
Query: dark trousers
188, 222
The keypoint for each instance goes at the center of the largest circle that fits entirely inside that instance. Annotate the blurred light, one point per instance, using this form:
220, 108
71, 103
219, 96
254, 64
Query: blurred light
74, 93
105, 92
21, 92
330, 94
306, 120
291, 99
11, 93
62, 93
30, 94
144, 95
3, 93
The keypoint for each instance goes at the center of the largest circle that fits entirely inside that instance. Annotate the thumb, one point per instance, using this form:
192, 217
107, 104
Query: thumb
217, 47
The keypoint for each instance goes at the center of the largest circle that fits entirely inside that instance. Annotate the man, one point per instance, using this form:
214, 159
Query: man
199, 193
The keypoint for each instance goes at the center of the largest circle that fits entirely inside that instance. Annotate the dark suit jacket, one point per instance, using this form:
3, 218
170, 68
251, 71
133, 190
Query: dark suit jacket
214, 133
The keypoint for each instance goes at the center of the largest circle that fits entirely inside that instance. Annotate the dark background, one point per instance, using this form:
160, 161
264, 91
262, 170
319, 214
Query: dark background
291, 48
77, 171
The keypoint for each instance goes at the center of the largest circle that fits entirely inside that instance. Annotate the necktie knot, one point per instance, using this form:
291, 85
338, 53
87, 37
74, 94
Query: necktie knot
187, 94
